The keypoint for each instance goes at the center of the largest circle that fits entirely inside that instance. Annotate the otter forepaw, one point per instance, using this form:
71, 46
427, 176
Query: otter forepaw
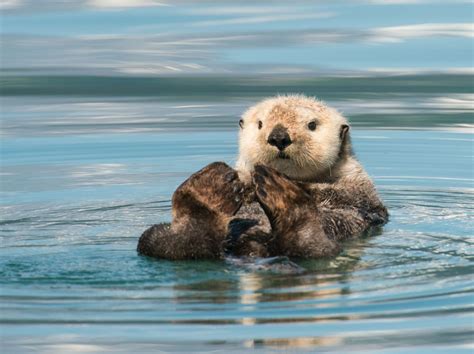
216, 186
226, 194
236, 228
276, 193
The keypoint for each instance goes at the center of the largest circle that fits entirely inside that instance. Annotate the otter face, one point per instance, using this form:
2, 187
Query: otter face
296, 135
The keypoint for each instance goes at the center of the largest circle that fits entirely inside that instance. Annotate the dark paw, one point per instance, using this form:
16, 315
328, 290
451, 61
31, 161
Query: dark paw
216, 187
226, 193
375, 219
236, 228
276, 193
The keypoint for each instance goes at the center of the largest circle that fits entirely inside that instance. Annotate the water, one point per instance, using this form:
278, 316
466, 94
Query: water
84, 175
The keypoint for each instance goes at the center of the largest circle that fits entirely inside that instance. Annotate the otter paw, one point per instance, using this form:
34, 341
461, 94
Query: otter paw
235, 229
276, 193
216, 187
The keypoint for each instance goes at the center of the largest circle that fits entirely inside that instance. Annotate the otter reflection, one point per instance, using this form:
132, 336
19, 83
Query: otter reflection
243, 297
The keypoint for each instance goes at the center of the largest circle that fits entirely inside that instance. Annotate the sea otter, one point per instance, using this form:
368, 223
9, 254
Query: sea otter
297, 190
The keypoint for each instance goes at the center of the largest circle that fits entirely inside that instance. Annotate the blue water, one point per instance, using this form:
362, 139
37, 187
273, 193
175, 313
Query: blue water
82, 177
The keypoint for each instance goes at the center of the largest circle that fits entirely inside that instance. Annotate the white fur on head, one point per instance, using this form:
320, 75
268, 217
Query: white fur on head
311, 153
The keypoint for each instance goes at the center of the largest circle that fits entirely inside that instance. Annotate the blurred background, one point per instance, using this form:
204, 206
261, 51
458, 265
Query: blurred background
391, 63
181, 38
108, 105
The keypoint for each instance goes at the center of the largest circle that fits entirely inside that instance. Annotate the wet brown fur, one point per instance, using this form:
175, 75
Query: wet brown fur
202, 208
304, 207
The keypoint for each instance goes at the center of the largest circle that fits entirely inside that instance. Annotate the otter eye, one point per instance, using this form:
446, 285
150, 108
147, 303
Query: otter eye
312, 125
260, 124
241, 123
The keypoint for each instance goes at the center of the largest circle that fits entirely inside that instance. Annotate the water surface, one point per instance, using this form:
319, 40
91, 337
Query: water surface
82, 176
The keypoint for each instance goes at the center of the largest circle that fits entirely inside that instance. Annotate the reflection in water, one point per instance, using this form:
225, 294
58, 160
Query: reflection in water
297, 296
210, 103
108, 105
295, 343
249, 296
74, 205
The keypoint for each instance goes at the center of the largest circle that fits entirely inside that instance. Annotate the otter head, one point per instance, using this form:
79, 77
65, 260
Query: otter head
297, 135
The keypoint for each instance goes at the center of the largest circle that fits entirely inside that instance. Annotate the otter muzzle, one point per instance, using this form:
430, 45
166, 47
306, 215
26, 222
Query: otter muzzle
279, 137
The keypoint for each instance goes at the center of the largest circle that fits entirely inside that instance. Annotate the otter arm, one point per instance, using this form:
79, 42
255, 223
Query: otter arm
202, 208
355, 195
297, 223
308, 222
196, 236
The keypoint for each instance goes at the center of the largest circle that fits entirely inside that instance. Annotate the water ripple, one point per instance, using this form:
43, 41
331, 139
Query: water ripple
70, 267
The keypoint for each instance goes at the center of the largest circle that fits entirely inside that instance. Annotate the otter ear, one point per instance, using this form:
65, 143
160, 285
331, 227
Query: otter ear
343, 132
241, 124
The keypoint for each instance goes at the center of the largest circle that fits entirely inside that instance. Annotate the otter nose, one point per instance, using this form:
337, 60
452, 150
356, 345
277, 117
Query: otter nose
279, 137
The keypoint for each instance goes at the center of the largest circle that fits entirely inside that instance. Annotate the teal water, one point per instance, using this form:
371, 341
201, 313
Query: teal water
83, 175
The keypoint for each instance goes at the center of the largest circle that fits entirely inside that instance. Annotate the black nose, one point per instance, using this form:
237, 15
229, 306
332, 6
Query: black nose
279, 137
